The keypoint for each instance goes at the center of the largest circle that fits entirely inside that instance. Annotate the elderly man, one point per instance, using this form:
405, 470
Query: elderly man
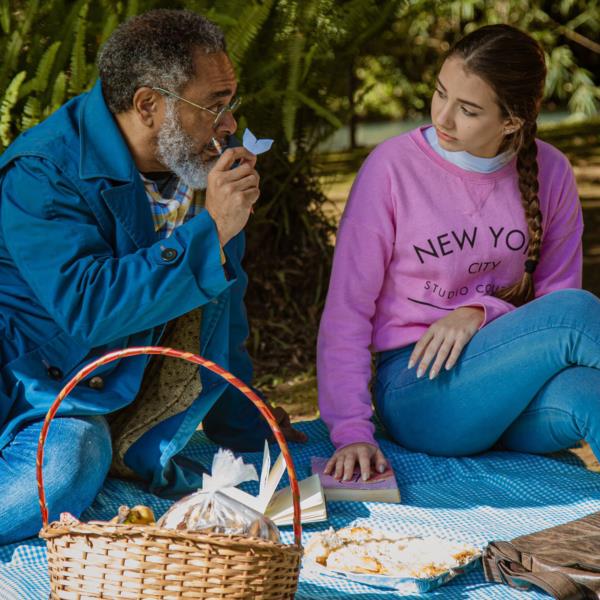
120, 226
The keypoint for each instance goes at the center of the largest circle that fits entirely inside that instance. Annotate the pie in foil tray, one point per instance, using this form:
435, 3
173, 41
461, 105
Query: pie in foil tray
410, 564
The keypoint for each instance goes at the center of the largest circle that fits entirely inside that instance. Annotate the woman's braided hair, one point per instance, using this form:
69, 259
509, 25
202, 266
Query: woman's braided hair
513, 64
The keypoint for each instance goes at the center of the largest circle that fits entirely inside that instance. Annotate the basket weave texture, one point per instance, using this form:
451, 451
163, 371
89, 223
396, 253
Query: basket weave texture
97, 560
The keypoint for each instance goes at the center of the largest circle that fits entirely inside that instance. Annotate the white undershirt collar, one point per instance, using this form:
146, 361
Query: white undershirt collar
465, 160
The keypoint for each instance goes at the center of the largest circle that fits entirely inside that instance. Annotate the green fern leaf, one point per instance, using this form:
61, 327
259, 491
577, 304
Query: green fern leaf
44, 68
8, 102
30, 13
584, 100
32, 112
40, 82
110, 24
5, 16
59, 91
68, 26
291, 103
11, 57
289, 110
357, 15
247, 28
78, 64
308, 58
132, 9
375, 19
321, 111
222, 20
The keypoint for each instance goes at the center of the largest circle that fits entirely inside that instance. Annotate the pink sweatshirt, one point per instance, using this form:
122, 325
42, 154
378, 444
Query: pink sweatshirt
420, 237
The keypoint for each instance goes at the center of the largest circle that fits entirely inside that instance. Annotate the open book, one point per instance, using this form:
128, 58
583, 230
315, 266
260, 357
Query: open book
278, 505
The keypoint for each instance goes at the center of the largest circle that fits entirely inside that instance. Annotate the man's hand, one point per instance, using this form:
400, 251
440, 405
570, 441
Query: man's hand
231, 193
283, 420
445, 339
341, 464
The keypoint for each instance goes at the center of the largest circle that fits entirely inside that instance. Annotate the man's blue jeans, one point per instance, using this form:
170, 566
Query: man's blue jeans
530, 379
77, 456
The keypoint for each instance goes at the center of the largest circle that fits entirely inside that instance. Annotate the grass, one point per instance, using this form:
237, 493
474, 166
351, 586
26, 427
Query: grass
297, 395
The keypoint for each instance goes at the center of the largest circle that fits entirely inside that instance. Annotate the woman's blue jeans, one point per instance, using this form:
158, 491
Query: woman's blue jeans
77, 456
530, 380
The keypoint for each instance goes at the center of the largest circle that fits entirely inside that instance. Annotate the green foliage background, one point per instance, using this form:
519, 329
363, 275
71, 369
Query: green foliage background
305, 67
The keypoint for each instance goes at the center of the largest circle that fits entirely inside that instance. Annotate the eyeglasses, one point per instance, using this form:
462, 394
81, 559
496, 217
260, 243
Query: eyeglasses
231, 107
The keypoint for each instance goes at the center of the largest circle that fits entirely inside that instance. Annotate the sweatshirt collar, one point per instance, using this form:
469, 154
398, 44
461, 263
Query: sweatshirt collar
508, 170
466, 160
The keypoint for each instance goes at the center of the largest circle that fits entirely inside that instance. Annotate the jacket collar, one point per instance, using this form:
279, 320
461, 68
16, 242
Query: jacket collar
104, 152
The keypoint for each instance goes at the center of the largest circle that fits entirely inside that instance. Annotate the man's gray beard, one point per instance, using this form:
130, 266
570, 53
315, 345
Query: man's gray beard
176, 150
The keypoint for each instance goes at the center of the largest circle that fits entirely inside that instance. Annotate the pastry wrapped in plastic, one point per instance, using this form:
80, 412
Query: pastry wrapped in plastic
210, 511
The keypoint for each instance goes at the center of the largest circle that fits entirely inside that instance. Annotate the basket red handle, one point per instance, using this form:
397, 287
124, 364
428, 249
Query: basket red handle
207, 364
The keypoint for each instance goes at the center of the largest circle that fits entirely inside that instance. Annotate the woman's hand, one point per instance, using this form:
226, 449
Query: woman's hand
341, 464
445, 339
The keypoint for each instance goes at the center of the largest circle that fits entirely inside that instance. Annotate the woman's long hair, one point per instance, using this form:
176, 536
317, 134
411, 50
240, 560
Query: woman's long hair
513, 64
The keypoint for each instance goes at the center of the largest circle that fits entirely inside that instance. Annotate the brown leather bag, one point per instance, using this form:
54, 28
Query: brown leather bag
564, 561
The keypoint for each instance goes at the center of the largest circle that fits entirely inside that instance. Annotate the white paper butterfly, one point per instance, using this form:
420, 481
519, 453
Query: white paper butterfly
255, 146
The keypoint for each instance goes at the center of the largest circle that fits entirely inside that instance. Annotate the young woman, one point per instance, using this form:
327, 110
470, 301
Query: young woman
458, 262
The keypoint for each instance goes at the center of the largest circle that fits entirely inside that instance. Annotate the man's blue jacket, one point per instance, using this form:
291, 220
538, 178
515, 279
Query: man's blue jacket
82, 272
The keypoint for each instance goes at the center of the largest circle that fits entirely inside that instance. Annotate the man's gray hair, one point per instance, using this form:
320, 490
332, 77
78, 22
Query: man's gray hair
154, 49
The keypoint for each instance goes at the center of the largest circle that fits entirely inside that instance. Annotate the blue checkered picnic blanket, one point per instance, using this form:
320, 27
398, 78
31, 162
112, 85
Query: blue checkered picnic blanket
497, 495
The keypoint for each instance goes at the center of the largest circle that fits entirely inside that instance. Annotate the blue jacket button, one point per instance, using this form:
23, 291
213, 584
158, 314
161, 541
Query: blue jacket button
168, 254
55, 373
96, 383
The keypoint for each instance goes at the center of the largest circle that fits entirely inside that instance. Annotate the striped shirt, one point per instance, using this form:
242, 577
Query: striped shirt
169, 213
174, 210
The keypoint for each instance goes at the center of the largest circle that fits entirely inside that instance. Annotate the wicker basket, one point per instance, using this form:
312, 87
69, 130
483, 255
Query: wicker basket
136, 561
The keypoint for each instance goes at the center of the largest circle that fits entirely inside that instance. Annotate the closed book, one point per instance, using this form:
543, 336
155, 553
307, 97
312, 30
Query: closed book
380, 487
